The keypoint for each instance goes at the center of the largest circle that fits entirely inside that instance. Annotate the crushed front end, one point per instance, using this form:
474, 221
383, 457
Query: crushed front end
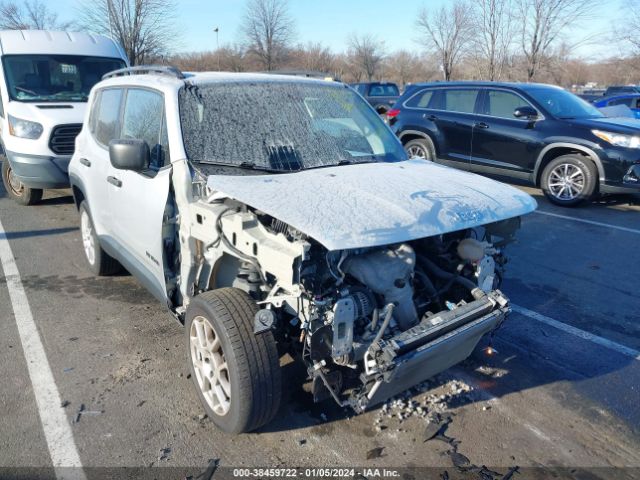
377, 321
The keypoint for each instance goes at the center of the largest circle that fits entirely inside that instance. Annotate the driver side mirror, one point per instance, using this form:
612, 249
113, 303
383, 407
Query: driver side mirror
527, 112
129, 154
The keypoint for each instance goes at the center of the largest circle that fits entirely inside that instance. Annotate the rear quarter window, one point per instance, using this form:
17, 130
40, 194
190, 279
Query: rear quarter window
420, 99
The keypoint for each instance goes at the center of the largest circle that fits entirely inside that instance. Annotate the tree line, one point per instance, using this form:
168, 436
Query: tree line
518, 40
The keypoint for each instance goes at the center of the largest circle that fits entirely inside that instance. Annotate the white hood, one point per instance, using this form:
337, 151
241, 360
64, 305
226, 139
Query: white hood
366, 205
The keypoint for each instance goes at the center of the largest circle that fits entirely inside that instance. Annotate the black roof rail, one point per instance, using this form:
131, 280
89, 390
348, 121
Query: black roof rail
146, 69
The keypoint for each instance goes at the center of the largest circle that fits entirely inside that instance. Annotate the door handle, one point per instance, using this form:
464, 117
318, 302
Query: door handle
430, 117
481, 125
85, 162
114, 181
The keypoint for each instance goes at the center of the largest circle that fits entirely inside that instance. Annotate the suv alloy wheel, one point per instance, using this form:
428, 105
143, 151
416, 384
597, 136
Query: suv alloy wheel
569, 180
421, 148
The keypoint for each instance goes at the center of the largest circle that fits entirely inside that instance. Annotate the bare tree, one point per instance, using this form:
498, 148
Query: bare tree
29, 15
544, 22
447, 31
493, 26
268, 30
144, 28
625, 28
313, 57
366, 54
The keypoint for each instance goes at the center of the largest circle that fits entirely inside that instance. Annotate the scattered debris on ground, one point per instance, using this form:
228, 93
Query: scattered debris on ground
164, 454
208, 473
82, 411
374, 453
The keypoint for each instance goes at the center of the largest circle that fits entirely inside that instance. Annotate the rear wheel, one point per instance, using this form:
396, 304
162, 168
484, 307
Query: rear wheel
16, 189
421, 148
236, 372
99, 262
569, 180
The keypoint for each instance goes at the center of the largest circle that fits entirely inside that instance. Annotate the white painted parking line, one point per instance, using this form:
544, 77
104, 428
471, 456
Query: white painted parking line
57, 432
629, 352
590, 222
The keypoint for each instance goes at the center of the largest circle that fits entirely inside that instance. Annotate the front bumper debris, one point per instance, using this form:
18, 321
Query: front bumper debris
437, 343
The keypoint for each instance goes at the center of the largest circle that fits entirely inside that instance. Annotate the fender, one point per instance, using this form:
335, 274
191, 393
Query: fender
586, 150
76, 182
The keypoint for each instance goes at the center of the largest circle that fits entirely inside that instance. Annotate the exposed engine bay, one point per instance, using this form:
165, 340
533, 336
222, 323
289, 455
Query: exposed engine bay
368, 323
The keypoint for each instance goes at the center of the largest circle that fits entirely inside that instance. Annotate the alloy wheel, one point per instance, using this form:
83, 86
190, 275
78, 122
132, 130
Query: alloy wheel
210, 365
566, 181
86, 230
417, 151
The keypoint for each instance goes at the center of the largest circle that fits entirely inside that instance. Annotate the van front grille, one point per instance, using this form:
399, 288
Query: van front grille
63, 138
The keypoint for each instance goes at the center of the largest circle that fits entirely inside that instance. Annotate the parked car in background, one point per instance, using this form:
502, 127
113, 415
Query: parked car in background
621, 89
632, 101
45, 79
381, 95
591, 95
301, 224
538, 133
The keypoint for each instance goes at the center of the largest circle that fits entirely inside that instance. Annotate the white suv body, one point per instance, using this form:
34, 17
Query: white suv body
268, 209
45, 78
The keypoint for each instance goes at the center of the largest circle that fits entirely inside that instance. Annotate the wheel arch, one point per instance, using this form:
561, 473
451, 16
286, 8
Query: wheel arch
77, 189
407, 135
556, 150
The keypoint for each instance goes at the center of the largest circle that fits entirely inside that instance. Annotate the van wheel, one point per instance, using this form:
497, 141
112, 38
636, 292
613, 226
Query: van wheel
99, 262
421, 148
16, 190
236, 372
569, 180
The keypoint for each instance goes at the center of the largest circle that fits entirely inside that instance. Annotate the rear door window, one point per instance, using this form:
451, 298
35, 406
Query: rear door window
107, 126
143, 119
501, 103
420, 99
460, 100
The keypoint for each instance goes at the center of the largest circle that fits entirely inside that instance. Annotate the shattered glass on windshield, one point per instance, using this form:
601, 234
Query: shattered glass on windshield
282, 126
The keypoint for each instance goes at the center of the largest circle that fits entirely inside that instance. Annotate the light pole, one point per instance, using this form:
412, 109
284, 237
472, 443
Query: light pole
217, 30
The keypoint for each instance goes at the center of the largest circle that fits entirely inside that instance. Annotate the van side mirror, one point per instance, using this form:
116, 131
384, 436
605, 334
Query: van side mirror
526, 112
129, 154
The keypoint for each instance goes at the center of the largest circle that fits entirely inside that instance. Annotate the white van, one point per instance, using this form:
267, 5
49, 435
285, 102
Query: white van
45, 79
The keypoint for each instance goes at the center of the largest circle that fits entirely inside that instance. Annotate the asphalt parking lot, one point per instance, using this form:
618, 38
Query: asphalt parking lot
562, 391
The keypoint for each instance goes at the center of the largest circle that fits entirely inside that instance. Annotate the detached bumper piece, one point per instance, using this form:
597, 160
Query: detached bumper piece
435, 344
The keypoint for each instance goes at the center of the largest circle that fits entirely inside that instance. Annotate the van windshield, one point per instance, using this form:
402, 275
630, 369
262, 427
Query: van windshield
282, 126
55, 78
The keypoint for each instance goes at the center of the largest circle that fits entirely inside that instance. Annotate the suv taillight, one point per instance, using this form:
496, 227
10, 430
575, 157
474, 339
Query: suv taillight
393, 113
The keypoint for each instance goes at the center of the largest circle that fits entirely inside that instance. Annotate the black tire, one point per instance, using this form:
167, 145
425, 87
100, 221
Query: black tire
580, 172
16, 190
101, 264
421, 148
253, 375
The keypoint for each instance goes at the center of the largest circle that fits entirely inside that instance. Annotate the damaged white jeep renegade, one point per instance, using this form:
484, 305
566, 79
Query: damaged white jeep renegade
277, 214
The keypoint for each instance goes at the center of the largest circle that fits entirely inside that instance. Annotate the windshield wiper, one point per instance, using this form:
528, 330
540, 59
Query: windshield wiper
242, 165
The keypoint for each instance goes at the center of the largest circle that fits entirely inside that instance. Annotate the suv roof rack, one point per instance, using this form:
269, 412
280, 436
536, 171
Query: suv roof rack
146, 70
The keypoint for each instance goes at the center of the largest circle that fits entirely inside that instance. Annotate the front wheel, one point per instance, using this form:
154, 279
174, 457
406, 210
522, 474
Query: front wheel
16, 189
569, 180
236, 372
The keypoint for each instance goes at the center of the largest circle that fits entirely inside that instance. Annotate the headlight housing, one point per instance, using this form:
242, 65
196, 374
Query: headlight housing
618, 139
24, 128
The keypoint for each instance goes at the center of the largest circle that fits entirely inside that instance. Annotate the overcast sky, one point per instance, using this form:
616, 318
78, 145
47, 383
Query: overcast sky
332, 21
